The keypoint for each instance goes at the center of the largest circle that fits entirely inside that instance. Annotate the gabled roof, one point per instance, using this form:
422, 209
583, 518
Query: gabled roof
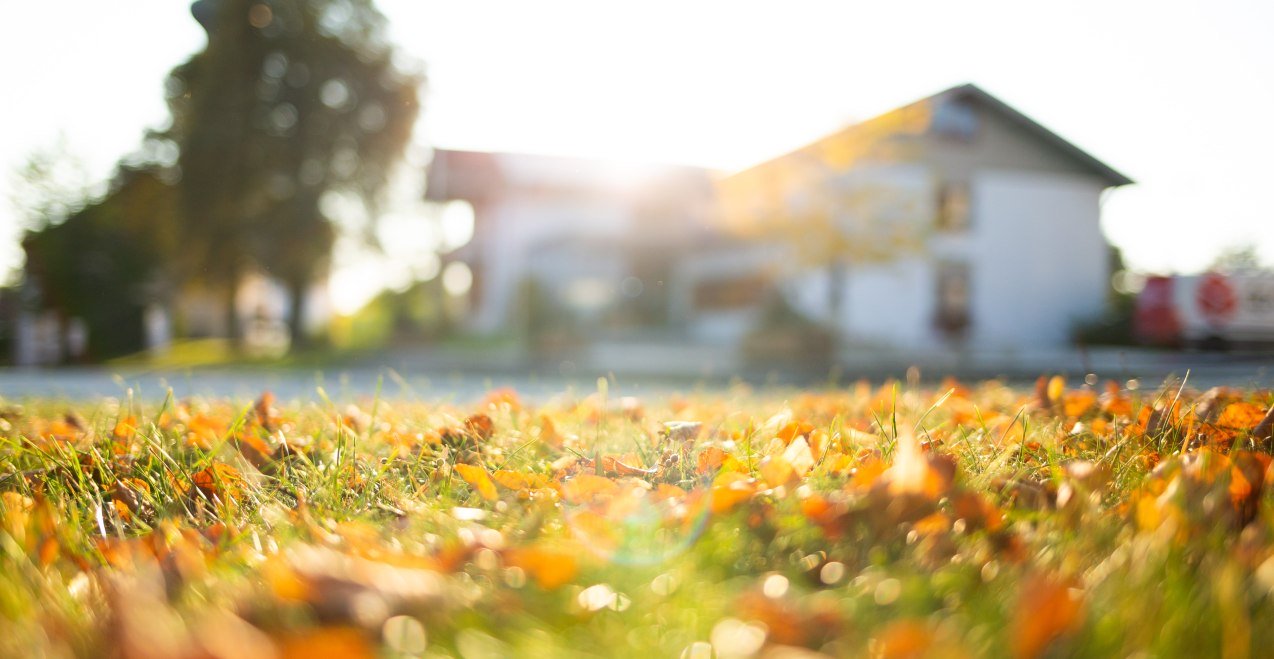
915, 117
1113, 177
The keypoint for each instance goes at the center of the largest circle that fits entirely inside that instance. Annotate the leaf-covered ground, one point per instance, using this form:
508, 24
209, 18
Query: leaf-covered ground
948, 520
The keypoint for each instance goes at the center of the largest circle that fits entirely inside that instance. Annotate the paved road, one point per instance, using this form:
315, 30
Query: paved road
338, 385
396, 377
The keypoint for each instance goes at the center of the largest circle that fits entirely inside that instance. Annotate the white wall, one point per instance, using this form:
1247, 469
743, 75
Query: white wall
891, 304
514, 226
1038, 260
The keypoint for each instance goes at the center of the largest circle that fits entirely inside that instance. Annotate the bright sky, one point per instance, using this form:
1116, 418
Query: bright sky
1178, 95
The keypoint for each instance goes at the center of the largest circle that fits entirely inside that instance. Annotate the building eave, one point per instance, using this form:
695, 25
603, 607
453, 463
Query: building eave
1110, 175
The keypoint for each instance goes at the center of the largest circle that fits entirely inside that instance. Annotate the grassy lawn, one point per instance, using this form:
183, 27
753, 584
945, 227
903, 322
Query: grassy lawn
940, 520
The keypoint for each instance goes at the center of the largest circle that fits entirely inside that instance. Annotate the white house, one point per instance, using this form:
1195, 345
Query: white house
955, 221
597, 237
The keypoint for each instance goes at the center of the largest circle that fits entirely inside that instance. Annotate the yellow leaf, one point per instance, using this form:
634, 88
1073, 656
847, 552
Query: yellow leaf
478, 478
776, 471
1056, 386
511, 480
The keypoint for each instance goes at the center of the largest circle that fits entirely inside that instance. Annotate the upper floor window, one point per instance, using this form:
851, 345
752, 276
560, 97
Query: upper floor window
955, 119
953, 207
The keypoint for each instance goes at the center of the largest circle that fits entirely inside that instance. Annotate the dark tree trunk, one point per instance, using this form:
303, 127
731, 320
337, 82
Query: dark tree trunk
296, 316
234, 332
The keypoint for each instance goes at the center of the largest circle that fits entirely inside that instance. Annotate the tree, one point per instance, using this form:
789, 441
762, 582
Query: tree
1239, 258
48, 187
104, 262
833, 204
290, 103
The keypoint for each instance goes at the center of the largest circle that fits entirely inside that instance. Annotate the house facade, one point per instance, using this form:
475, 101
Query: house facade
953, 222
599, 241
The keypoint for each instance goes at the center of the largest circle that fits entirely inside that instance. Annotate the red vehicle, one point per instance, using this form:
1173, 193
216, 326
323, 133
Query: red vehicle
1212, 310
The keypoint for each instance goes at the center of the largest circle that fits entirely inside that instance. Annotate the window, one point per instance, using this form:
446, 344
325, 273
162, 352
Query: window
953, 207
730, 293
952, 316
955, 120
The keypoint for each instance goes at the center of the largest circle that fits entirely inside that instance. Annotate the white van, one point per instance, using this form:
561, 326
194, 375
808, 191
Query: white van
1211, 310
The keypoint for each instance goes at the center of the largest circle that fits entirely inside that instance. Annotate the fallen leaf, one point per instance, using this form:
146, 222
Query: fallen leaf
1047, 608
549, 568
479, 479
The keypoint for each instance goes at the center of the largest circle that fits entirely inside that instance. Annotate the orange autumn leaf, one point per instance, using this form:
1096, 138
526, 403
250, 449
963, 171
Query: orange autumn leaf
502, 397
935, 524
1113, 402
255, 449
48, 552
1247, 483
33, 523
510, 480
125, 428
519, 481
1235, 420
128, 496
819, 441
904, 639
479, 479
784, 624
817, 508
664, 492
586, 488
1047, 608
218, 483
59, 430
709, 460
267, 415
729, 490
1078, 403
976, 511
204, 432
480, 427
549, 568
548, 431
776, 471
17, 512
790, 621
1147, 420
326, 643
865, 474
794, 429
617, 466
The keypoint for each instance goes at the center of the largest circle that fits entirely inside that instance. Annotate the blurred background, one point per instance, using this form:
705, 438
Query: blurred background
660, 188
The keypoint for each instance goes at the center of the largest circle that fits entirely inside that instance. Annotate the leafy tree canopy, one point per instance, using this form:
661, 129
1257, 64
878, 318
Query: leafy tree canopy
290, 102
